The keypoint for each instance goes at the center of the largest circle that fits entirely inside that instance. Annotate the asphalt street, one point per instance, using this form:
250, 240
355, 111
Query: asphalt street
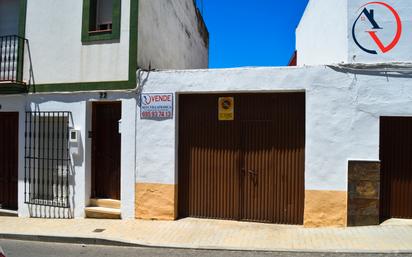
13, 248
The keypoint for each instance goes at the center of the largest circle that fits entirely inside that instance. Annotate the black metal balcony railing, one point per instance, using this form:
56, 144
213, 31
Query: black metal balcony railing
12, 60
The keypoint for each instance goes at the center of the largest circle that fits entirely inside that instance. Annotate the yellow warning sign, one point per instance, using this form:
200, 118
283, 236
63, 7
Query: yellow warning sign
226, 108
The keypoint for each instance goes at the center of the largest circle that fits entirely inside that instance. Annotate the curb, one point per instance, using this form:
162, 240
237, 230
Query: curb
68, 240
119, 243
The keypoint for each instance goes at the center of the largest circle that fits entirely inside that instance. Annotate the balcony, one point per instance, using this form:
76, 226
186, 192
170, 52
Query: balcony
15, 65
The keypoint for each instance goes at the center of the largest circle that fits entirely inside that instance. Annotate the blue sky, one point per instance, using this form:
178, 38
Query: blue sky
251, 33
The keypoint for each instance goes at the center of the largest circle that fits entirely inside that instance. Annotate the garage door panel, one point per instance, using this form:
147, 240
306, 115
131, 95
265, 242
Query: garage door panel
396, 167
212, 190
258, 185
218, 159
210, 148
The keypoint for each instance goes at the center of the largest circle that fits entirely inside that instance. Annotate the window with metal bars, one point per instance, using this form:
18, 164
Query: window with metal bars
47, 159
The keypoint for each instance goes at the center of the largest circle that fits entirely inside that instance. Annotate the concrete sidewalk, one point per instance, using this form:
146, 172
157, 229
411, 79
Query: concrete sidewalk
392, 236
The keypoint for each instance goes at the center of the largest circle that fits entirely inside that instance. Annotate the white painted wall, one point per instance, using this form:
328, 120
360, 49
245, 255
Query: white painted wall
77, 179
402, 52
169, 36
342, 116
9, 17
321, 37
342, 122
78, 104
58, 55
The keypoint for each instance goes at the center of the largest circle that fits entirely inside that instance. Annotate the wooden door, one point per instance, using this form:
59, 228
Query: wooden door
258, 172
106, 145
251, 168
273, 156
9, 130
396, 167
208, 161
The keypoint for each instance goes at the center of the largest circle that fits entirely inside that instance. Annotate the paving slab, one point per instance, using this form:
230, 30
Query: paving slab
394, 236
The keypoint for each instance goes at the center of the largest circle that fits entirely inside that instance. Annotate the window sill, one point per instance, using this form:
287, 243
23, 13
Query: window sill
99, 32
100, 35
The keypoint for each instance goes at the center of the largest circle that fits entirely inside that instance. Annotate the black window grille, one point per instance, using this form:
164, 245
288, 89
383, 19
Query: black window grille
47, 159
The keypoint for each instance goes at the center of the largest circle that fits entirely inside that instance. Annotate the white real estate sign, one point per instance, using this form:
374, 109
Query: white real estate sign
156, 106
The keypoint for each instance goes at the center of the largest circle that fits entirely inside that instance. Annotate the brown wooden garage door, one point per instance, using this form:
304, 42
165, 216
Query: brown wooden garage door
396, 167
9, 131
251, 168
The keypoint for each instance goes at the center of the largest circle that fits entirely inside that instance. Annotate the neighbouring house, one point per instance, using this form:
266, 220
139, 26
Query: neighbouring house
68, 97
324, 143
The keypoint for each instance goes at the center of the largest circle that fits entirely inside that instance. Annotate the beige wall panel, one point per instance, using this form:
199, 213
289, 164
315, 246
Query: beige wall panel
325, 208
155, 201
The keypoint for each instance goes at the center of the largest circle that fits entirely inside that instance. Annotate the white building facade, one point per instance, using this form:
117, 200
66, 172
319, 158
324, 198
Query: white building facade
321, 144
68, 78
353, 74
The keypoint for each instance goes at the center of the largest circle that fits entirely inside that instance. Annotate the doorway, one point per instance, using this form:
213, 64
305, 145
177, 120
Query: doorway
106, 145
249, 167
9, 154
396, 167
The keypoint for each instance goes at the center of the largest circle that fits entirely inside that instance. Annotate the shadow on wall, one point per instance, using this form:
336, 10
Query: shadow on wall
50, 164
141, 84
75, 98
52, 212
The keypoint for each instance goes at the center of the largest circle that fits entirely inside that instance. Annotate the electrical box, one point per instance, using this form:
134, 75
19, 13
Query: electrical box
74, 141
74, 136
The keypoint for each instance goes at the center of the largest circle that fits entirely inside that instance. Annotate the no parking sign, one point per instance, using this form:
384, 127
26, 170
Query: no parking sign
226, 107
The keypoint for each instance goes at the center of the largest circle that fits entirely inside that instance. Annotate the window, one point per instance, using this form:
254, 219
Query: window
101, 20
47, 161
101, 16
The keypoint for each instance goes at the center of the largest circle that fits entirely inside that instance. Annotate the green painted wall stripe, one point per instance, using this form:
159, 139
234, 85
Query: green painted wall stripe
106, 85
12, 89
21, 33
22, 18
133, 44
